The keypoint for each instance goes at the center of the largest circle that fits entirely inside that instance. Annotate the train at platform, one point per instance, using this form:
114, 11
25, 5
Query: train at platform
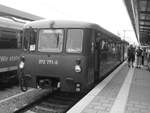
68, 55
10, 48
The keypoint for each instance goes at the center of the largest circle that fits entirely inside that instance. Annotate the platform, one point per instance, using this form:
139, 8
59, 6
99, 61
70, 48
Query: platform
126, 90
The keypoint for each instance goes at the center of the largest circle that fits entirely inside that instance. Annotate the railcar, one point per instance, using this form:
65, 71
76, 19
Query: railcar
10, 48
67, 55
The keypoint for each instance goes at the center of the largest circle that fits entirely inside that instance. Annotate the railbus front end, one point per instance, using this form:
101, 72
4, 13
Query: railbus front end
67, 55
57, 57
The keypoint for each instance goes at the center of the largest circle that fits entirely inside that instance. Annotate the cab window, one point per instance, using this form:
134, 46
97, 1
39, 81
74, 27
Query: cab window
50, 40
74, 41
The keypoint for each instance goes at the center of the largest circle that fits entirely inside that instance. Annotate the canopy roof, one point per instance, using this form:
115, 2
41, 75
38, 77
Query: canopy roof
10, 12
139, 12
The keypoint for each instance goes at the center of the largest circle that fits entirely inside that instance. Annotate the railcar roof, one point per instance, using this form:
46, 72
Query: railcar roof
8, 23
60, 24
67, 24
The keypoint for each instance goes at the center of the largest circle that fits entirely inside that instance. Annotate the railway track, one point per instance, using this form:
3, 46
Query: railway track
56, 102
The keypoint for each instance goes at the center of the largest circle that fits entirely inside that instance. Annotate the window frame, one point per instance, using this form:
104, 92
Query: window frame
82, 43
38, 37
14, 33
26, 42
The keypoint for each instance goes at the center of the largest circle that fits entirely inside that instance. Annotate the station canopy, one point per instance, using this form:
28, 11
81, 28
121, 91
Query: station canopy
14, 14
139, 12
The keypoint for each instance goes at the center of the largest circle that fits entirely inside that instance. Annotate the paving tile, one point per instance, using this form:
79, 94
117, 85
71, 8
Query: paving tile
144, 111
139, 96
95, 103
90, 111
102, 112
107, 105
99, 108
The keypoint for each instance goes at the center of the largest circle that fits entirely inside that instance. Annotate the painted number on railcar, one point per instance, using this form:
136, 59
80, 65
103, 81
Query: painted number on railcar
55, 62
8, 58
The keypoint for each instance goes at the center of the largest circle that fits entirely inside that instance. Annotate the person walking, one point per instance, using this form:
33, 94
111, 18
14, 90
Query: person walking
131, 55
148, 59
143, 56
139, 57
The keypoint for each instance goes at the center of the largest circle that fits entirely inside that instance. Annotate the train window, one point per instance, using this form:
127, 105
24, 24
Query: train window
25, 39
29, 37
19, 39
102, 44
8, 40
50, 40
74, 41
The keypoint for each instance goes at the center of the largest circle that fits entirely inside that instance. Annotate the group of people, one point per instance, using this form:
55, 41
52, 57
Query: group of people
138, 53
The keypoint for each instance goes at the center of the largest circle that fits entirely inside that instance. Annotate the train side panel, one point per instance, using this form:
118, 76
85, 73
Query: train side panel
10, 50
109, 54
9, 64
9, 58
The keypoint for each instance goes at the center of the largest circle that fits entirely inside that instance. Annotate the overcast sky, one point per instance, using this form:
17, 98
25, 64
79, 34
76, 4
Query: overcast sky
109, 14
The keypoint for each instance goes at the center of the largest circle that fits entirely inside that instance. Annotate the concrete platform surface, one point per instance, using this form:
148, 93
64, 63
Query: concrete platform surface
126, 90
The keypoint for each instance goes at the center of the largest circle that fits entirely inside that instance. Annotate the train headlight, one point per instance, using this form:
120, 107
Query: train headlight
77, 69
21, 65
78, 87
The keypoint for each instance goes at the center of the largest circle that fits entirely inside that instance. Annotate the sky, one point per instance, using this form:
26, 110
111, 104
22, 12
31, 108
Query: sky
109, 14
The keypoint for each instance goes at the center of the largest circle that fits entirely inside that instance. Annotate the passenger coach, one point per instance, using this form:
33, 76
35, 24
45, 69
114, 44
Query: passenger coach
67, 55
10, 48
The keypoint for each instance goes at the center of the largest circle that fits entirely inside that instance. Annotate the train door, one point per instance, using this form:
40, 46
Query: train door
89, 46
29, 43
96, 58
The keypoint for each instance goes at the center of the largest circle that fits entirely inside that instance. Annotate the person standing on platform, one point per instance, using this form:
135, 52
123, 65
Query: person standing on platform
131, 55
148, 59
139, 57
144, 54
